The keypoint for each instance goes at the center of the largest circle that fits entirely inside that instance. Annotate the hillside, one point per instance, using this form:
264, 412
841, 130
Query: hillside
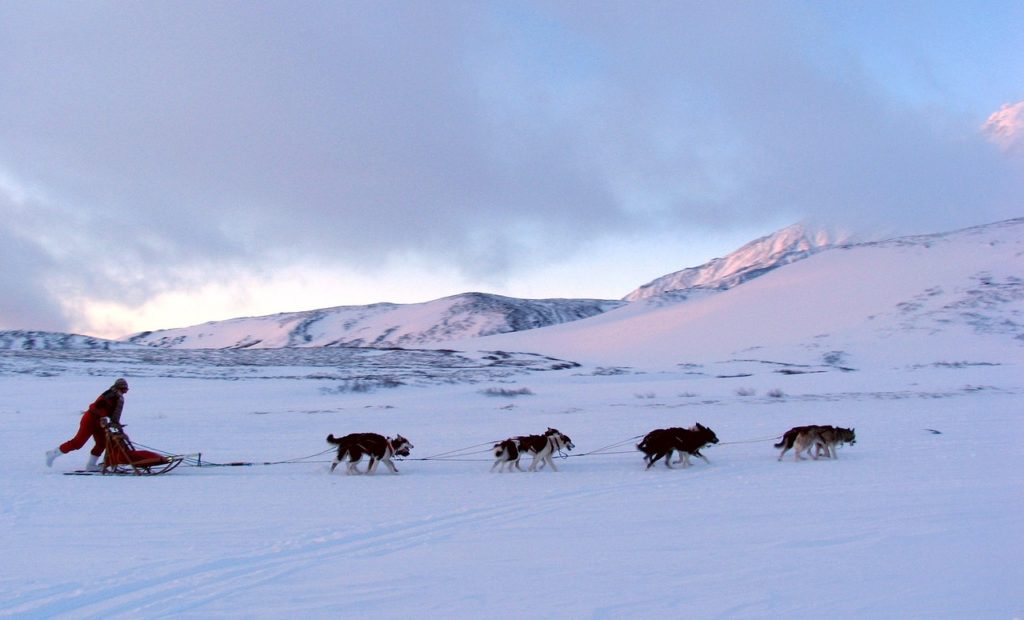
754, 259
472, 315
458, 317
926, 291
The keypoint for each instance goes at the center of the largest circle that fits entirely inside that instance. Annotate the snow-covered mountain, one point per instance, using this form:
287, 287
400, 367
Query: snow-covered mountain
23, 340
781, 287
472, 315
458, 317
754, 259
955, 295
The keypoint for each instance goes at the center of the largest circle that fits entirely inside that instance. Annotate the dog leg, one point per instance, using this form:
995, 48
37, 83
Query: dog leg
551, 462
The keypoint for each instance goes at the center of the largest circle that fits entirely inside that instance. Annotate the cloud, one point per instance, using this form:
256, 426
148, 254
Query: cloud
1005, 127
179, 144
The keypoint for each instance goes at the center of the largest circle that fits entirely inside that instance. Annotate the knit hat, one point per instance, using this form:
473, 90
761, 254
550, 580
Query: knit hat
121, 384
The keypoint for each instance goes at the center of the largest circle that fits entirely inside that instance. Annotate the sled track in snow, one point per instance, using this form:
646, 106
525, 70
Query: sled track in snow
159, 591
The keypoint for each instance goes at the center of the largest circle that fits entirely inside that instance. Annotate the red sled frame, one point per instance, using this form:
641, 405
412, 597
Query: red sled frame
122, 458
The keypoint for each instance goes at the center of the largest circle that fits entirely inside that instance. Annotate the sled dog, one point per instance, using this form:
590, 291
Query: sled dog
662, 442
542, 447
506, 454
379, 448
824, 439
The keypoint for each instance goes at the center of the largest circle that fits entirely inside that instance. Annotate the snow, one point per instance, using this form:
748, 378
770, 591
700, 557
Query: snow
895, 340
785, 246
380, 325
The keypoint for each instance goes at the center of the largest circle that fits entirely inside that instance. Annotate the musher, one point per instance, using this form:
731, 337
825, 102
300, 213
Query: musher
105, 410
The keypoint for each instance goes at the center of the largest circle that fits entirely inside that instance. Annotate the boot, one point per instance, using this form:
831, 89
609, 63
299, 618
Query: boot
51, 455
91, 465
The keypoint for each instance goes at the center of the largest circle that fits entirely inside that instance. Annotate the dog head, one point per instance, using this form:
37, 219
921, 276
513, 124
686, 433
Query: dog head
847, 435
708, 434
401, 445
563, 441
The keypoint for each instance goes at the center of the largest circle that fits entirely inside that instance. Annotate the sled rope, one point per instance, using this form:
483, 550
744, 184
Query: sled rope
729, 443
295, 461
454, 456
196, 460
451, 454
608, 447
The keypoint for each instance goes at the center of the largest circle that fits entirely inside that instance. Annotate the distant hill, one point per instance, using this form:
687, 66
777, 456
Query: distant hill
794, 286
957, 297
459, 317
21, 340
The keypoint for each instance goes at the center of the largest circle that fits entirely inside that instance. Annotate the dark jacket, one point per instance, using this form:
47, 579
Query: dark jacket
108, 405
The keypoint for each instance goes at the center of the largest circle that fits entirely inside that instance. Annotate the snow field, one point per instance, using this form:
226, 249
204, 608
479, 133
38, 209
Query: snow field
905, 523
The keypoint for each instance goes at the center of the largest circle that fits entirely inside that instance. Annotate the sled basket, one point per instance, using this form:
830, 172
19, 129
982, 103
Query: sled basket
123, 458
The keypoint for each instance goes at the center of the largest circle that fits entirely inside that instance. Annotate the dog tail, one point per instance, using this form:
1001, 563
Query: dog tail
781, 443
332, 439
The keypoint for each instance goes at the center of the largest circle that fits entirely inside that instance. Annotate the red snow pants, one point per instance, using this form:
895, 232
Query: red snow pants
88, 427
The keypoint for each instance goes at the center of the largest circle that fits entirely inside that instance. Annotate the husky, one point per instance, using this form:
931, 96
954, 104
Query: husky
824, 439
662, 442
379, 448
542, 447
506, 454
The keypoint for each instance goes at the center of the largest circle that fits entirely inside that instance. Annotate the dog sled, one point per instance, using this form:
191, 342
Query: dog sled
122, 458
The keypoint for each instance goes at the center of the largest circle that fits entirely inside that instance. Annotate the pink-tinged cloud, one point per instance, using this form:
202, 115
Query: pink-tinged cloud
1006, 127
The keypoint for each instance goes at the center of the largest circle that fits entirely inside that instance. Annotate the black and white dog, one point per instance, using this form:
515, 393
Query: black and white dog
379, 448
687, 441
506, 454
542, 447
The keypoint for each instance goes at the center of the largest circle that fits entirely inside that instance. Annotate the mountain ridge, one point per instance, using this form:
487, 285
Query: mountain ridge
753, 259
467, 316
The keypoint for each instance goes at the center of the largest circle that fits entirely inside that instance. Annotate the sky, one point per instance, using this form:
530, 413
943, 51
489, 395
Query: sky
167, 164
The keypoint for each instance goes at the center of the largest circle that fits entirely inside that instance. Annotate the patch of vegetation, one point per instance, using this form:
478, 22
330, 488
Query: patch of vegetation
362, 386
610, 371
507, 392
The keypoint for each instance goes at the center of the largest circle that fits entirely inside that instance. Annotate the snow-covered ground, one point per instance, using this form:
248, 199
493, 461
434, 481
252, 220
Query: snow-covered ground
906, 523
916, 344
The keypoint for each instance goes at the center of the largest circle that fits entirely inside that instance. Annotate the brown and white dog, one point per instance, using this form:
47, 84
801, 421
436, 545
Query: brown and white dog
663, 442
824, 439
542, 447
379, 448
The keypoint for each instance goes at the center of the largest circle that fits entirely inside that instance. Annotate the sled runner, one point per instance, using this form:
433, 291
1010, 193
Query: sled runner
123, 458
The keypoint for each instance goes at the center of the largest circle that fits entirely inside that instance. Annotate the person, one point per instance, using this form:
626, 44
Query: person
103, 411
